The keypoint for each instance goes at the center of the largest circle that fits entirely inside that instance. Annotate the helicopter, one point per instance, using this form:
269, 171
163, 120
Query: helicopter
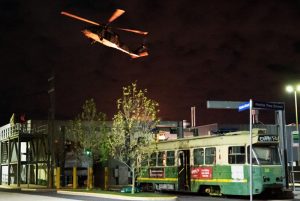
105, 35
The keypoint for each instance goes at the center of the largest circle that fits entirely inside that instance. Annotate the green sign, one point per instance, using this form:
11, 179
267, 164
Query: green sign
295, 136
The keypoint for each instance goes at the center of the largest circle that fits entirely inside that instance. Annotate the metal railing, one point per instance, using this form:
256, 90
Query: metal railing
293, 179
4, 178
12, 130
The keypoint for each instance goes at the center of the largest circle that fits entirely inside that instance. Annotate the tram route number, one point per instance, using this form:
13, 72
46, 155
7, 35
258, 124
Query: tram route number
268, 138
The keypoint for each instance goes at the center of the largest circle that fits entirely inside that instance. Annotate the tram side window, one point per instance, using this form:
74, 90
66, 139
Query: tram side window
210, 155
153, 159
236, 155
144, 160
160, 158
198, 156
170, 158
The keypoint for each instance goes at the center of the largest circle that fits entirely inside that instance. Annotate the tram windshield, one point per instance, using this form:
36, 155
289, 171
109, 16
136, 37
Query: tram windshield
265, 155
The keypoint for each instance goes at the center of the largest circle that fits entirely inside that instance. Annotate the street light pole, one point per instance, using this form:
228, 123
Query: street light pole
296, 111
294, 89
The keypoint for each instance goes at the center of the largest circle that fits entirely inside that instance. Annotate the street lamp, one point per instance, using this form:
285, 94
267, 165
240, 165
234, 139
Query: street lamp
294, 89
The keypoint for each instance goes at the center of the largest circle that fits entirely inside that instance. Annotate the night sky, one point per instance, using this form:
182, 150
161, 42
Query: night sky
199, 50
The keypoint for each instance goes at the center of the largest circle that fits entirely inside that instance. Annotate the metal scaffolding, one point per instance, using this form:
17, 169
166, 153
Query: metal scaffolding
24, 154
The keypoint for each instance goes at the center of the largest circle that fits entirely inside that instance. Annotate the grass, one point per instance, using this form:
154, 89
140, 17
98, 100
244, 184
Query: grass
141, 194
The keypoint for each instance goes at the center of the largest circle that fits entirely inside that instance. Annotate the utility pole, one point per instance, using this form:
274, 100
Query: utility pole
62, 152
51, 117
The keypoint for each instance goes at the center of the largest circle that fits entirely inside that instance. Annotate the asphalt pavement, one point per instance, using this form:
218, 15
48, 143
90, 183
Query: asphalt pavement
23, 188
296, 193
120, 197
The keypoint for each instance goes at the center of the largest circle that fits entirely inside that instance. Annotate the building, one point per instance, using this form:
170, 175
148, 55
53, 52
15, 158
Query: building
25, 152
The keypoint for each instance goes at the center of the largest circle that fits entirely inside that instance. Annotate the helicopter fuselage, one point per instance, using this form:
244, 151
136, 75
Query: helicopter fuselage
109, 39
103, 34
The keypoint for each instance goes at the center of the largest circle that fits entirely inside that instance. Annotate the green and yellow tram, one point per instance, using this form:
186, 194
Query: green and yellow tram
215, 164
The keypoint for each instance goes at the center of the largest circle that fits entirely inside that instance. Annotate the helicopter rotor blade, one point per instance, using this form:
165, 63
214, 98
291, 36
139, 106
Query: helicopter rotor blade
116, 14
79, 18
134, 31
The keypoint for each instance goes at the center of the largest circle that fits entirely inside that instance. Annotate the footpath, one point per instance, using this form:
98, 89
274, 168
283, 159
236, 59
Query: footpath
296, 194
34, 188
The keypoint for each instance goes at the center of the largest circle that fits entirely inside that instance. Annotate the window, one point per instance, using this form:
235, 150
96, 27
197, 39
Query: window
153, 159
264, 155
210, 155
236, 155
170, 158
144, 160
160, 158
198, 156
254, 159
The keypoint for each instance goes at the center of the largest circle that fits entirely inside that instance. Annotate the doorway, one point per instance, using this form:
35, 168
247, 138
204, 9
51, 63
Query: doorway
184, 177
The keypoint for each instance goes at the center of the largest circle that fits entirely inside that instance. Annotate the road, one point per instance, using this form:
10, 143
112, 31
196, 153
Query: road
7, 195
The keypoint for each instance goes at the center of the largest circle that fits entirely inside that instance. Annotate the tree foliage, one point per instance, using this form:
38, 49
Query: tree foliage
133, 125
88, 132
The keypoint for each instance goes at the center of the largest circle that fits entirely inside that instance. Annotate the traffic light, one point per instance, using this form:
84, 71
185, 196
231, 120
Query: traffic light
88, 152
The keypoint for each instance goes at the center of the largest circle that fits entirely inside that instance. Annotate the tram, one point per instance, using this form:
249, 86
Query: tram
215, 164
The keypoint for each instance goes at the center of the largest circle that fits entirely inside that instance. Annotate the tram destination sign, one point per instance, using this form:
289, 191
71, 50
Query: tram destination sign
268, 138
267, 105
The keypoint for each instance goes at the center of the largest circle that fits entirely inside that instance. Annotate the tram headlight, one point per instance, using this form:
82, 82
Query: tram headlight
266, 179
279, 179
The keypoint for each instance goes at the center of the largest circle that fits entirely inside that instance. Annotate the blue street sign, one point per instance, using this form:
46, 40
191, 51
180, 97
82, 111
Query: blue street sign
245, 106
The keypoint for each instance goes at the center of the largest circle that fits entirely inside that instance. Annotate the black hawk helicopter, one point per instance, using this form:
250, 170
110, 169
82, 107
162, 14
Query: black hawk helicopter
104, 34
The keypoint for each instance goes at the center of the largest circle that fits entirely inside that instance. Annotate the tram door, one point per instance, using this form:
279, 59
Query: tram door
184, 170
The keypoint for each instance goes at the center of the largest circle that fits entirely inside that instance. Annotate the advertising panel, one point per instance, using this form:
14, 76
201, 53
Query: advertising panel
201, 173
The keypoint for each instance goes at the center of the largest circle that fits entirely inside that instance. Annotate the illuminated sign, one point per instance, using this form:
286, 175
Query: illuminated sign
244, 106
268, 138
261, 105
268, 105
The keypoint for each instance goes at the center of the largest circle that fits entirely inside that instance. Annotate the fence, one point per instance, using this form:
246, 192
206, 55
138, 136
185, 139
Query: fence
13, 130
